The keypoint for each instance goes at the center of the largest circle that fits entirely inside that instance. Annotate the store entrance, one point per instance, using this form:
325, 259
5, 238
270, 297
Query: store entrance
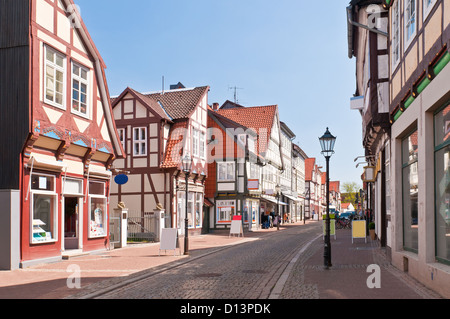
71, 222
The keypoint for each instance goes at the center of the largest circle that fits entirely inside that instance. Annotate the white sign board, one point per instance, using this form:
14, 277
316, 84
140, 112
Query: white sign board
236, 228
168, 239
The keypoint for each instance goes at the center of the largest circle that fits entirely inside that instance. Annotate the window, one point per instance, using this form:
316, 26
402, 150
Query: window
427, 7
195, 142
97, 210
410, 21
202, 146
44, 208
395, 34
54, 77
80, 85
410, 192
226, 171
140, 141
225, 211
198, 209
442, 184
121, 132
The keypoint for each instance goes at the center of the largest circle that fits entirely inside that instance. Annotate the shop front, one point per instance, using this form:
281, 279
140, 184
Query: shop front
62, 212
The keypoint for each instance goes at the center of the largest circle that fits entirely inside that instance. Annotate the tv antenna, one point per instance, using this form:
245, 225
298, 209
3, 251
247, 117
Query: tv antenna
235, 88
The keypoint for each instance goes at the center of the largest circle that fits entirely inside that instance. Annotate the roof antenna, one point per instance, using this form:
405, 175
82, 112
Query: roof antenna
163, 84
235, 93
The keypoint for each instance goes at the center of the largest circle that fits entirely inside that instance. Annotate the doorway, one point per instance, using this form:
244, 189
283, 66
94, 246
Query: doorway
71, 223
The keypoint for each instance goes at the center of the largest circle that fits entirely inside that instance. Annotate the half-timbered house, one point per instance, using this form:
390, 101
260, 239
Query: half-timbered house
57, 135
264, 120
157, 130
234, 173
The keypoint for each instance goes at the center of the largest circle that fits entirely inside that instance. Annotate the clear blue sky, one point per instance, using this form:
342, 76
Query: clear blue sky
290, 53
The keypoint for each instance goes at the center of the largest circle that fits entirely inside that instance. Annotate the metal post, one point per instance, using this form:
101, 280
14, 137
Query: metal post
278, 211
327, 250
186, 221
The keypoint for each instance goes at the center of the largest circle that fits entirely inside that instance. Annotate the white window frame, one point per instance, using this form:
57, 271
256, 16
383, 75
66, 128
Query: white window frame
225, 211
427, 8
406, 5
51, 193
202, 145
195, 142
105, 213
227, 165
76, 77
55, 67
139, 141
396, 34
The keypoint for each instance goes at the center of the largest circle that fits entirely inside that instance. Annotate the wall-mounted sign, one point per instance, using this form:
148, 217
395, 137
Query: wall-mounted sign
121, 179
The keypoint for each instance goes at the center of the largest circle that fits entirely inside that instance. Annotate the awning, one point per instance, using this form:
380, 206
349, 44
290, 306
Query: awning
208, 203
292, 198
273, 200
45, 162
99, 171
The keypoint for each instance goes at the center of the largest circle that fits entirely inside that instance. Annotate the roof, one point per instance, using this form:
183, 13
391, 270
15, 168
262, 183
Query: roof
179, 103
309, 167
174, 148
258, 118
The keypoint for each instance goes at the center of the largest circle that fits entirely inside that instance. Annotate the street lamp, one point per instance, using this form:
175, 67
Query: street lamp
327, 142
187, 165
278, 191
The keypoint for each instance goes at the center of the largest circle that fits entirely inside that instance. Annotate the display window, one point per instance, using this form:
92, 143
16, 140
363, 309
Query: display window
44, 209
225, 211
97, 210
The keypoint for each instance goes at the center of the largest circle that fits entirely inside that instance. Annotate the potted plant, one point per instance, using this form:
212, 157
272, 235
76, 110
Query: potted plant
373, 236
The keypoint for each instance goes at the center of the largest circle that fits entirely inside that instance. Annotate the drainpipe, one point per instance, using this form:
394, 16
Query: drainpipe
350, 22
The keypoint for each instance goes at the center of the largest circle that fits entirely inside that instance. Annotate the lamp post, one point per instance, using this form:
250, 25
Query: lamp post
278, 190
327, 142
187, 164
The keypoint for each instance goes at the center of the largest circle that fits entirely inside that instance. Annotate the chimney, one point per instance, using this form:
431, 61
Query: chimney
215, 106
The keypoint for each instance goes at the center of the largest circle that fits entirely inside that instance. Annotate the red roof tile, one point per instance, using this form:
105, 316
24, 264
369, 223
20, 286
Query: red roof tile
174, 148
258, 118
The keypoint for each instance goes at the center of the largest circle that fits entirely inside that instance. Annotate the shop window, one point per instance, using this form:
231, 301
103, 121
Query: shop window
410, 176
44, 208
198, 209
97, 210
225, 211
442, 184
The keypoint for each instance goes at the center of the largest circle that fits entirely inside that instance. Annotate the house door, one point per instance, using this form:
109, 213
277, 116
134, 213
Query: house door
71, 222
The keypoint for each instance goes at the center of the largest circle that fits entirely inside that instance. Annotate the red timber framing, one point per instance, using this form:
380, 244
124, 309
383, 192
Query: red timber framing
156, 130
72, 140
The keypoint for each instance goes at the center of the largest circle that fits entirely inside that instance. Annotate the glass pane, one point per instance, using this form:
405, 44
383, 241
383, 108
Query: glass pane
59, 76
59, 87
83, 98
83, 88
443, 203
410, 207
143, 148
59, 61
43, 217
75, 95
75, 105
50, 56
410, 148
83, 108
83, 74
76, 85
442, 126
136, 134
49, 95
96, 188
59, 98
143, 134
136, 148
76, 70
97, 226
43, 183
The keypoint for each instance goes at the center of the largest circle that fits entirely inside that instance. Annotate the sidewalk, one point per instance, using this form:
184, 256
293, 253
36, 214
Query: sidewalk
349, 276
49, 281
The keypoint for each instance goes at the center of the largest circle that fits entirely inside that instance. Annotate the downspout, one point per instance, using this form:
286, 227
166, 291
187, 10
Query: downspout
359, 25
